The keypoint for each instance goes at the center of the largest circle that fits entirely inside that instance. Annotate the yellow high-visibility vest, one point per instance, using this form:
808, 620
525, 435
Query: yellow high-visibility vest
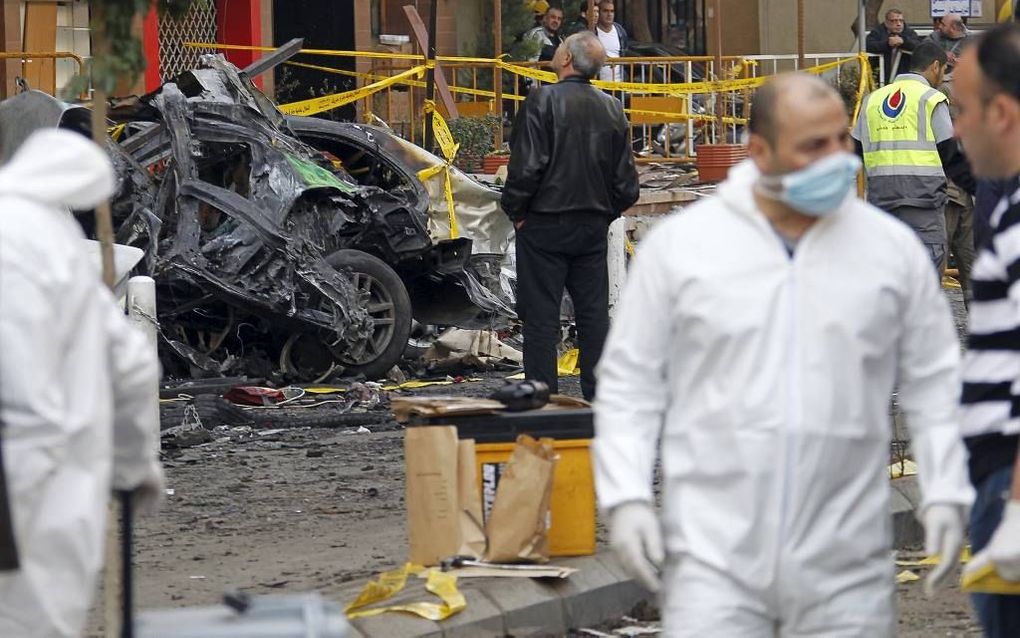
897, 136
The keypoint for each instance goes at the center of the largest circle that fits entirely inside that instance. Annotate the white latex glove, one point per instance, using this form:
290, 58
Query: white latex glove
636, 537
1004, 548
148, 495
943, 535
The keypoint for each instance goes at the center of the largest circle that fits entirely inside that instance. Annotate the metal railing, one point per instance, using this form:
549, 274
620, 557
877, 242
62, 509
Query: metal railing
666, 124
26, 57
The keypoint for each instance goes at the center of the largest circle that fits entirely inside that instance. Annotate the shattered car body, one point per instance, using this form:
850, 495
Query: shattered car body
467, 291
267, 253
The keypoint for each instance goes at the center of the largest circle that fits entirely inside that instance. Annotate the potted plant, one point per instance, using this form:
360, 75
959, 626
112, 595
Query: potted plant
477, 138
492, 161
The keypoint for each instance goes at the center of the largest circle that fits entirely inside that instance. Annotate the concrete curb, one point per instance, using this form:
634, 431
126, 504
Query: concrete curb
598, 592
519, 607
904, 500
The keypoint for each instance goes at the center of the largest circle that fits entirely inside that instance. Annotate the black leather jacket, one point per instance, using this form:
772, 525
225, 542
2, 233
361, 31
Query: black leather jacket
569, 153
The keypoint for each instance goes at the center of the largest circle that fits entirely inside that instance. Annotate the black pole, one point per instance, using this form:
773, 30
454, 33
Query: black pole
430, 77
127, 627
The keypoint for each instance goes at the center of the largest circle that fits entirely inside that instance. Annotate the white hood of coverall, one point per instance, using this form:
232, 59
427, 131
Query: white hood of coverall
769, 380
75, 385
59, 168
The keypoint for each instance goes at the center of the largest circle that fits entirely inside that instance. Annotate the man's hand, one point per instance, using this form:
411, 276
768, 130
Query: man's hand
943, 536
895, 41
635, 536
1004, 548
951, 58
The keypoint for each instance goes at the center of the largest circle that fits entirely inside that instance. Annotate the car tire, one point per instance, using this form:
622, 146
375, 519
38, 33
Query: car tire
388, 303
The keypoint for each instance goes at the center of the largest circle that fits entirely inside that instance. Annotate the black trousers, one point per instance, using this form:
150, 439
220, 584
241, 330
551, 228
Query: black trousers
557, 251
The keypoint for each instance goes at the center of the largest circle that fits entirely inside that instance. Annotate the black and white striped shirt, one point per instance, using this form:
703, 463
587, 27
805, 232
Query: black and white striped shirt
991, 370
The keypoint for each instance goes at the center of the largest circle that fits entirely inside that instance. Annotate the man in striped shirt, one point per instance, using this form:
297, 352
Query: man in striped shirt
988, 93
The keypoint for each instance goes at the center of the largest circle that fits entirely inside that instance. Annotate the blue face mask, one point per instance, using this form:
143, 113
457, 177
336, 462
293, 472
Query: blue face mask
817, 189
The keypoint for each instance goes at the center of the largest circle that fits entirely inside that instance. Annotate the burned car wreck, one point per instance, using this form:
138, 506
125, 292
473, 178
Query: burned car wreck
269, 256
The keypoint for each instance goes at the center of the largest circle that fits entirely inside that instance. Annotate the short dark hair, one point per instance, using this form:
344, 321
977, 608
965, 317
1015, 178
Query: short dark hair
999, 58
926, 53
584, 6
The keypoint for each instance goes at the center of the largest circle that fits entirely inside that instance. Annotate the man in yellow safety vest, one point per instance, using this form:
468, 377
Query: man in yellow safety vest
905, 135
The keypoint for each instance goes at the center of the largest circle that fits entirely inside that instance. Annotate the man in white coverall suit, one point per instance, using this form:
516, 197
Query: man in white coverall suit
76, 384
761, 334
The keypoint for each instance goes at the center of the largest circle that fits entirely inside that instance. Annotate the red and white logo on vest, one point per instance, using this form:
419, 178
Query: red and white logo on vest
893, 104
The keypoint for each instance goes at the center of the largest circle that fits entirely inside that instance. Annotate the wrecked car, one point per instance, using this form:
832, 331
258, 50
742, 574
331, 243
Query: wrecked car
269, 254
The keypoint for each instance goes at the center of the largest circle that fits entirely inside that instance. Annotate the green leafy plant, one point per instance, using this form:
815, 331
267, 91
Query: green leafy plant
847, 84
477, 138
517, 18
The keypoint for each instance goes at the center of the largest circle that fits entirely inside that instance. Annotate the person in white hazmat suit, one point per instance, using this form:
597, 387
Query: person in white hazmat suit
76, 383
760, 335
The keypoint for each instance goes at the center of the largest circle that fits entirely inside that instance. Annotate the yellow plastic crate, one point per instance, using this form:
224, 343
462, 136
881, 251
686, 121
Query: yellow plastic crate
572, 507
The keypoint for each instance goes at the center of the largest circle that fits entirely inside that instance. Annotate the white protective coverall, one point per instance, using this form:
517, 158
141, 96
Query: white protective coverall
75, 386
769, 380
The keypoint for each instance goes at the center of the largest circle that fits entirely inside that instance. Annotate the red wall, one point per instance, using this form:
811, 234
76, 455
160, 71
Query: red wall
238, 22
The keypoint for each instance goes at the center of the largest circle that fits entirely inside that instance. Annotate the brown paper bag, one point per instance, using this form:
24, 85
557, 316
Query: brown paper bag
519, 523
433, 521
472, 527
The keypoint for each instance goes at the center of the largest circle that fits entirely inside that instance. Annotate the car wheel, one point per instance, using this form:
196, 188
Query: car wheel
381, 291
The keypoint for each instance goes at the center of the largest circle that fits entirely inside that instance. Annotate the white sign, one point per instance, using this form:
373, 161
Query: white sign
966, 8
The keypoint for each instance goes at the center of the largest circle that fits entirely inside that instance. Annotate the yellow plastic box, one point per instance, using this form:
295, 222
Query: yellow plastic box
572, 508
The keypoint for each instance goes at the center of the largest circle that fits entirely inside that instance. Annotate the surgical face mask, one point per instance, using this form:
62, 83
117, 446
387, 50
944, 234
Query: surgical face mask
817, 189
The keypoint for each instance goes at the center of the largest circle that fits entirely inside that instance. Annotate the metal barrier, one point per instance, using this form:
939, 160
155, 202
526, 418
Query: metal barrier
54, 55
663, 127
674, 103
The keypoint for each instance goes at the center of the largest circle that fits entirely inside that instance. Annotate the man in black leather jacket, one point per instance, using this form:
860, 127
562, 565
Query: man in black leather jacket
571, 173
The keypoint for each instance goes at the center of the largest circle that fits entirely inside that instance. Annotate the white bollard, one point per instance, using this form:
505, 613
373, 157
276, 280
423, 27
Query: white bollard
141, 305
617, 261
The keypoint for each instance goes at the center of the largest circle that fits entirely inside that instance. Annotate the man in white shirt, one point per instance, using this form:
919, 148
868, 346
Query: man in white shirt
613, 37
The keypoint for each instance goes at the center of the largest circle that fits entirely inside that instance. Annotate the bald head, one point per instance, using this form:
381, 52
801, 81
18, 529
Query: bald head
580, 54
776, 103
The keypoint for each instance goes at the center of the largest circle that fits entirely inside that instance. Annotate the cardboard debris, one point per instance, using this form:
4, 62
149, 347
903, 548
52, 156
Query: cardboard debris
502, 571
406, 407
485, 345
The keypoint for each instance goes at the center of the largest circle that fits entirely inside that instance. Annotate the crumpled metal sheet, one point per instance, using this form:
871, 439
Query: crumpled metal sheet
479, 214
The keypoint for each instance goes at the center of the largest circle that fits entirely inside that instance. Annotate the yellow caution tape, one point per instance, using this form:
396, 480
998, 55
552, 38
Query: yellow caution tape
986, 580
903, 468
317, 105
906, 576
116, 131
443, 585
329, 52
567, 366
931, 561
415, 83
864, 86
448, 147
